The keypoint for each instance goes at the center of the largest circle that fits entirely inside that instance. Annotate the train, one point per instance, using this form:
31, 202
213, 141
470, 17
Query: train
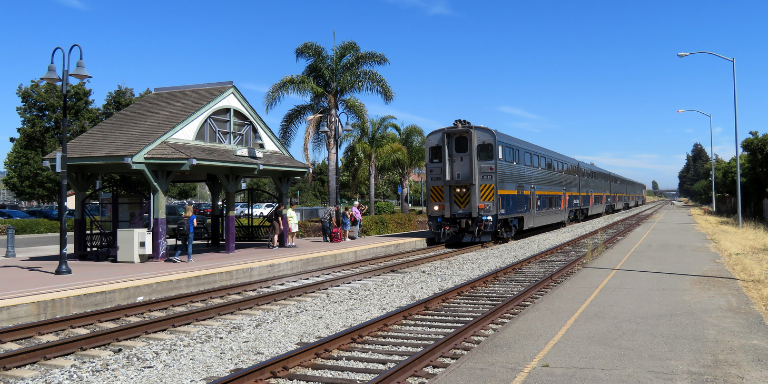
484, 185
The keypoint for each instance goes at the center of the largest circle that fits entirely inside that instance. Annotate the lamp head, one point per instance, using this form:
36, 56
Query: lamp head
324, 128
347, 127
682, 54
51, 76
80, 73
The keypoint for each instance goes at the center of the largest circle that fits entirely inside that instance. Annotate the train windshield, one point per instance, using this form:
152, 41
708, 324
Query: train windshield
461, 144
436, 154
484, 152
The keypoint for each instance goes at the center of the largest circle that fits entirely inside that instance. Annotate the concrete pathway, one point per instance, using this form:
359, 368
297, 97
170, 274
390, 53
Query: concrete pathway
659, 307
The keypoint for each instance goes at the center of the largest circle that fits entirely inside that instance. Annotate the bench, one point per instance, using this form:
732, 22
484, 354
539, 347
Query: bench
201, 232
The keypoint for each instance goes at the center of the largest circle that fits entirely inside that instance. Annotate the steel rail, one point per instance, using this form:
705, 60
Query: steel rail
28, 355
27, 330
280, 365
401, 372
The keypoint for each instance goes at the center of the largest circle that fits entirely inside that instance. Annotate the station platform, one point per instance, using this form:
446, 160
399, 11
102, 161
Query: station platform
30, 291
657, 307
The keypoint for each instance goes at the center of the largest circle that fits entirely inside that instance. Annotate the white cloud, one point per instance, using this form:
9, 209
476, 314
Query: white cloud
689, 131
524, 126
73, 4
517, 112
717, 129
431, 7
254, 87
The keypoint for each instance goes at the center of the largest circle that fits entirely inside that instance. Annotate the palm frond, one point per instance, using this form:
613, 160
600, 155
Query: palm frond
297, 85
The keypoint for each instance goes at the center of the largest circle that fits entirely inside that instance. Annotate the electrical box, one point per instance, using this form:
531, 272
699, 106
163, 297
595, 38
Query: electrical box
133, 245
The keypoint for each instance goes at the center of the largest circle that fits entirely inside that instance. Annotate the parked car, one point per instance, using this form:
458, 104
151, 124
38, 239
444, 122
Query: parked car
263, 209
13, 214
50, 214
201, 209
241, 209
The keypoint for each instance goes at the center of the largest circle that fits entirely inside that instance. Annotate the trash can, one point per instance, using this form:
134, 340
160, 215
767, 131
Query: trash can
134, 245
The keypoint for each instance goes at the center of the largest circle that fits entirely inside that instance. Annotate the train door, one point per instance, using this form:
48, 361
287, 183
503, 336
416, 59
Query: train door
459, 171
534, 207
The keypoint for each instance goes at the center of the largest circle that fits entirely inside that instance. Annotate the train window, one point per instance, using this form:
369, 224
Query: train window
462, 144
543, 163
436, 154
484, 152
509, 154
549, 164
558, 202
535, 161
528, 159
517, 156
551, 202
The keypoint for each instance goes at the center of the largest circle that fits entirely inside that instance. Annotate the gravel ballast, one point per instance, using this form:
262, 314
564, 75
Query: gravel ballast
236, 344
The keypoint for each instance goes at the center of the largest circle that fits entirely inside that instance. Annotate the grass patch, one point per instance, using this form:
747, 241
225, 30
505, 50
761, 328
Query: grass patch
744, 251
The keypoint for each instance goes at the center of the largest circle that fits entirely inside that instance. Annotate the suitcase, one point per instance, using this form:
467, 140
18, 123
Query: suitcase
336, 235
352, 232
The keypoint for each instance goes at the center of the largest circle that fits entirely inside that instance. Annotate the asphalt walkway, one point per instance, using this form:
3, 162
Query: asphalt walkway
658, 307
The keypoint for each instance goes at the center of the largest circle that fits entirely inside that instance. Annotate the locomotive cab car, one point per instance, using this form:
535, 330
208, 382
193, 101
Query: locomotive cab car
484, 185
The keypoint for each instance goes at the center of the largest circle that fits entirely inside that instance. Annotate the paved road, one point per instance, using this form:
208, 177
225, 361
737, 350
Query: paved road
26, 241
665, 311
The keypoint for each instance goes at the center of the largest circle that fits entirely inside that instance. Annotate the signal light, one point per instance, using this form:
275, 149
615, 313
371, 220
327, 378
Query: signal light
481, 206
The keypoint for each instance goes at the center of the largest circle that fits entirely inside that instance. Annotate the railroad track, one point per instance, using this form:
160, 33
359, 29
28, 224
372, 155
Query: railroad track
69, 334
414, 343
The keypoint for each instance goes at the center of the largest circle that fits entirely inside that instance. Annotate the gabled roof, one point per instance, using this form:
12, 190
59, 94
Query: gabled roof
149, 129
134, 128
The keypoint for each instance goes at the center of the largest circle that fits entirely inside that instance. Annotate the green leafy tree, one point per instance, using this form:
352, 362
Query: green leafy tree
755, 171
119, 99
696, 168
405, 157
40, 134
655, 187
329, 82
373, 137
182, 191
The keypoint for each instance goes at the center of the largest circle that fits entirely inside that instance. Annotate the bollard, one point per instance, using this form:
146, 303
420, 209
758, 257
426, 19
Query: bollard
10, 244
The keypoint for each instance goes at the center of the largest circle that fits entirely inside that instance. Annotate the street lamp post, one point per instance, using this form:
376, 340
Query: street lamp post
711, 151
736, 126
52, 77
334, 120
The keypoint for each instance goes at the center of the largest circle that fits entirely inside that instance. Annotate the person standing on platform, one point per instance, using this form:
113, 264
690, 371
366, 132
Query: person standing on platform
186, 241
293, 225
328, 218
345, 222
357, 211
276, 221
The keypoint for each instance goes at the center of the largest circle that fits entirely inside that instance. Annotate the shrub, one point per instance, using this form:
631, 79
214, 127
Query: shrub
373, 225
35, 226
384, 208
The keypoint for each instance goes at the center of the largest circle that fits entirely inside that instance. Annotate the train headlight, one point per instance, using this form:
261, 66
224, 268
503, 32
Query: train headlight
436, 207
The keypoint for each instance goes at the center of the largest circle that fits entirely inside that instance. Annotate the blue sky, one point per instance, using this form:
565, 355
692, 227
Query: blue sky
596, 80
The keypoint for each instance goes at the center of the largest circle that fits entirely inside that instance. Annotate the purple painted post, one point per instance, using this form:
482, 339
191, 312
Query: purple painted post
159, 242
284, 233
229, 245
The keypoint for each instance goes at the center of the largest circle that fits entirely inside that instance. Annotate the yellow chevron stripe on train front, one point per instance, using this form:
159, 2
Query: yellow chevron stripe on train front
436, 193
461, 199
486, 192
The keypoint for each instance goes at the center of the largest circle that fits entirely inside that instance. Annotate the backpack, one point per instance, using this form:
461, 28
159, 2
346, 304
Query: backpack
182, 228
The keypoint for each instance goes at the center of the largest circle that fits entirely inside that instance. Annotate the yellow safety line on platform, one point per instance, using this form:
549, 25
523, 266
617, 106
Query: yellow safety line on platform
33, 297
528, 368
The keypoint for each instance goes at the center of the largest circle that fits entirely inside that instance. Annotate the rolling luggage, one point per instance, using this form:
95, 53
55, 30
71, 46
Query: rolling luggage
352, 232
336, 235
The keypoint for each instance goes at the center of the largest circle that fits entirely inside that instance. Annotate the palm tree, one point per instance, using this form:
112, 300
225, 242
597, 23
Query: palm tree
330, 82
371, 138
405, 157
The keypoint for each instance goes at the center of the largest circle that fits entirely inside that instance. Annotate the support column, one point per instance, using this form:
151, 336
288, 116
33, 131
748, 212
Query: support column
282, 185
80, 183
214, 185
230, 184
159, 180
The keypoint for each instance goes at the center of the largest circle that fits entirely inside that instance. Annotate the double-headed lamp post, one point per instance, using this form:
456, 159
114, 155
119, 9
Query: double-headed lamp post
52, 77
736, 127
334, 120
711, 151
